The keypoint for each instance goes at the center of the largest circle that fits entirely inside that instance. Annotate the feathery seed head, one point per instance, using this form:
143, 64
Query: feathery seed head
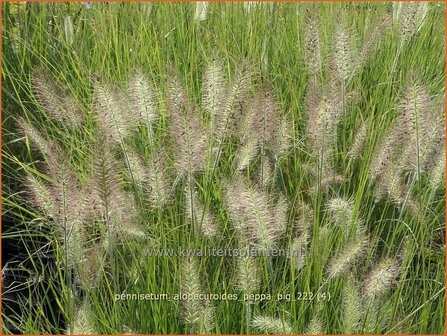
341, 262
194, 311
352, 307
305, 219
82, 322
136, 167
393, 183
281, 219
35, 137
206, 323
187, 130
266, 173
235, 95
384, 153
413, 109
438, 172
315, 326
410, 18
343, 53
42, 196
265, 117
435, 142
271, 325
342, 211
246, 154
116, 208
200, 11
252, 213
61, 106
359, 141
297, 251
248, 274
158, 183
90, 266
190, 285
114, 118
214, 89
65, 190
142, 97
381, 278
312, 55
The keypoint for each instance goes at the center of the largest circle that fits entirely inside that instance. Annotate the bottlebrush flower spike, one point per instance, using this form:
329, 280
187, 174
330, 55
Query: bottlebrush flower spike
312, 54
142, 97
266, 173
116, 208
35, 137
246, 154
214, 90
252, 213
383, 154
381, 278
437, 175
137, 167
66, 190
271, 325
187, 130
315, 326
341, 262
343, 51
90, 266
282, 138
297, 252
249, 274
113, 116
435, 142
267, 118
410, 18
82, 321
190, 285
281, 214
352, 307
342, 211
60, 105
42, 196
158, 182
359, 141
196, 313
416, 122
235, 95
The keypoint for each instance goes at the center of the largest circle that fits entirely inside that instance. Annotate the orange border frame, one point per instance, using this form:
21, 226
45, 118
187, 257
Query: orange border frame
1, 157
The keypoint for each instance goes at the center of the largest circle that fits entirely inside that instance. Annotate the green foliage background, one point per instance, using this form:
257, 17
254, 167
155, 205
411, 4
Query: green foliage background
110, 40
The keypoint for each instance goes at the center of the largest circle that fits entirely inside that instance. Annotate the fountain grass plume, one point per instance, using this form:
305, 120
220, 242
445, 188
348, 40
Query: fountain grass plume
341, 262
187, 130
195, 313
381, 278
271, 325
142, 97
251, 211
352, 307
60, 104
312, 53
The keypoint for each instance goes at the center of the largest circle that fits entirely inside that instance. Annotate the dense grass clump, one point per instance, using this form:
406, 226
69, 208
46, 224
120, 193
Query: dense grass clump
224, 168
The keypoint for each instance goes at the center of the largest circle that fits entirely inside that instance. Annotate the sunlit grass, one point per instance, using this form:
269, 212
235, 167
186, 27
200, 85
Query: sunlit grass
383, 258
